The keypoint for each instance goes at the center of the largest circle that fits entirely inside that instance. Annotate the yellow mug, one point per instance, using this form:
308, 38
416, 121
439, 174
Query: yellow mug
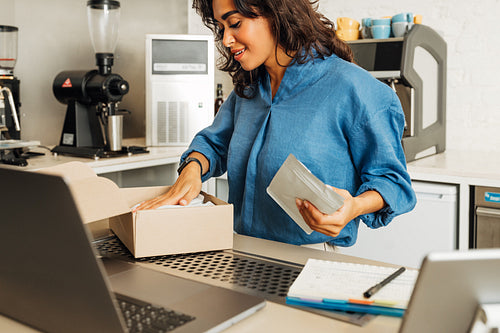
347, 34
347, 23
417, 19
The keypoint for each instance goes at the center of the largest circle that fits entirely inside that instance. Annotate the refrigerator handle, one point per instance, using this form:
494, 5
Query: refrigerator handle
489, 212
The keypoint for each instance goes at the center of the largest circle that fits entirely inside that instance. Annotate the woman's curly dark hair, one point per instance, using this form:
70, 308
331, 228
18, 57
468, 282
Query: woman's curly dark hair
297, 26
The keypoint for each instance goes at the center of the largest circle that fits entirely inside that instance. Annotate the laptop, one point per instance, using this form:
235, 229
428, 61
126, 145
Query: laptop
449, 288
52, 280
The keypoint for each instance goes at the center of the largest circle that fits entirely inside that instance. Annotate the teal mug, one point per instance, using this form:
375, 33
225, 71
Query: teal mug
403, 17
382, 21
380, 31
366, 23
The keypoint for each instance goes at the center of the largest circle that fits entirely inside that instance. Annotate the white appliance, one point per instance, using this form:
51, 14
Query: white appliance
431, 226
179, 87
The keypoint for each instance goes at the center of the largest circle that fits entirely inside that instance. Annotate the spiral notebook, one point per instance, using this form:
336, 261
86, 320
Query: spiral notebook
340, 286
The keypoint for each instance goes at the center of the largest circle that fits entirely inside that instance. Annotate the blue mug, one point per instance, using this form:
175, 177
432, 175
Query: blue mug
382, 21
409, 17
380, 31
403, 17
366, 23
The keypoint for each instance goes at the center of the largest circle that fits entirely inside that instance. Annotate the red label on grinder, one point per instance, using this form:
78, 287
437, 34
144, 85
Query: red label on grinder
67, 83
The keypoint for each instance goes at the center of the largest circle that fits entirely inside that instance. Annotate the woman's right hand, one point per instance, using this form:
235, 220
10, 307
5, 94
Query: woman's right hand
186, 188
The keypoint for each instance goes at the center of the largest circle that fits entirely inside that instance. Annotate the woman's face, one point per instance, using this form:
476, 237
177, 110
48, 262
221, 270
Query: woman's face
250, 39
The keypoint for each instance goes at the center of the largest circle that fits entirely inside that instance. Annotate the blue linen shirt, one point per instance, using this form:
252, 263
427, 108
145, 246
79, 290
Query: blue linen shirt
339, 121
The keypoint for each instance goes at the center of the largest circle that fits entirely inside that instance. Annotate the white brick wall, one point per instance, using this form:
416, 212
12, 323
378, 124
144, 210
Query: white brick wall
471, 30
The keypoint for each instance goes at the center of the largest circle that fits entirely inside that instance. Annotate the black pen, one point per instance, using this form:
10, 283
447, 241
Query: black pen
385, 281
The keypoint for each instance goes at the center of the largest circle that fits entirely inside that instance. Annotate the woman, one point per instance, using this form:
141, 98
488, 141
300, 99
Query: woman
296, 91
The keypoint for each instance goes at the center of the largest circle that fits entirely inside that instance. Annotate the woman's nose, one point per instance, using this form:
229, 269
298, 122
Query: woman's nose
227, 39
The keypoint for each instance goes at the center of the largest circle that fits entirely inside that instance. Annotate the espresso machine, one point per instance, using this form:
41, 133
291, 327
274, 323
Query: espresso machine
11, 146
10, 128
93, 124
414, 66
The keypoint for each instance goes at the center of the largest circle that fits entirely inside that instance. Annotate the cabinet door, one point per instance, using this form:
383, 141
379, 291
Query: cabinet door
431, 226
159, 175
222, 188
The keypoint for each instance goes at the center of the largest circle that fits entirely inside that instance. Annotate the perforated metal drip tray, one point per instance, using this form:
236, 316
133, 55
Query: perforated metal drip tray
244, 272
229, 269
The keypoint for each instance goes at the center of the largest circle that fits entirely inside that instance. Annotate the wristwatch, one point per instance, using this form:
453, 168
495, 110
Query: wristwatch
186, 162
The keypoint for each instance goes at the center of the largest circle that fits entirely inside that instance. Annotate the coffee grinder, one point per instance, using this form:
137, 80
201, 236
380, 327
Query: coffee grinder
93, 123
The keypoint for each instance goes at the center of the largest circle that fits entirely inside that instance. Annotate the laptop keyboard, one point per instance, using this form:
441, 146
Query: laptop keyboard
144, 317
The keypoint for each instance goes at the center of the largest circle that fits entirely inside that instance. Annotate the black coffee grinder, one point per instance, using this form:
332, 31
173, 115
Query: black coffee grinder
93, 124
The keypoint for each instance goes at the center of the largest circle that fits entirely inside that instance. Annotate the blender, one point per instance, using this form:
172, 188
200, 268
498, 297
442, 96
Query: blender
93, 123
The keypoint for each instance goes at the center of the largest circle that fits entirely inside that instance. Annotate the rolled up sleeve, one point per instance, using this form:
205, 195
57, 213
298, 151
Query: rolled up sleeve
381, 163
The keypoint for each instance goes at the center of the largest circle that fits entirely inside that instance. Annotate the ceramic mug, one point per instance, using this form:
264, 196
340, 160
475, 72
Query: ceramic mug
348, 34
401, 17
347, 23
366, 23
381, 31
417, 19
382, 21
399, 28
409, 17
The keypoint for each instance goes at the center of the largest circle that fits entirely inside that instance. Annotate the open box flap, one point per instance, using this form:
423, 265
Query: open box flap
96, 197
71, 171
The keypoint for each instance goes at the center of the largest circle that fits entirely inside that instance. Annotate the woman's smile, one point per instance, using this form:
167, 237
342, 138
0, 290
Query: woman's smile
238, 54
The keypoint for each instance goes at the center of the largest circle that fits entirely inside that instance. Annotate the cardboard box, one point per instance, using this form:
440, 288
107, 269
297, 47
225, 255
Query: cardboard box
148, 232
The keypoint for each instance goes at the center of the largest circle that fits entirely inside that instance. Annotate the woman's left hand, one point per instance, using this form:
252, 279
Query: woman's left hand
332, 224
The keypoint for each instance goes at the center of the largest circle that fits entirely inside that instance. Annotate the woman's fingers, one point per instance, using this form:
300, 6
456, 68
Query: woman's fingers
317, 221
172, 197
181, 193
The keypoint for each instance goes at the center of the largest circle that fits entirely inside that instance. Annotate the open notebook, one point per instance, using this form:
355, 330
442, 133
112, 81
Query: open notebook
340, 286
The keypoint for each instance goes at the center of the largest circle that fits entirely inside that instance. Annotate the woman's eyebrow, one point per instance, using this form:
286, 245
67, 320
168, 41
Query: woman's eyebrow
226, 15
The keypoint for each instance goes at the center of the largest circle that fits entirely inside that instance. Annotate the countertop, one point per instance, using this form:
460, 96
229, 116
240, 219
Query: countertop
156, 156
451, 166
456, 166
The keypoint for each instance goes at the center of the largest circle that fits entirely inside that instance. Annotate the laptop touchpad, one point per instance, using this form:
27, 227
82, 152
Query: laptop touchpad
156, 287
